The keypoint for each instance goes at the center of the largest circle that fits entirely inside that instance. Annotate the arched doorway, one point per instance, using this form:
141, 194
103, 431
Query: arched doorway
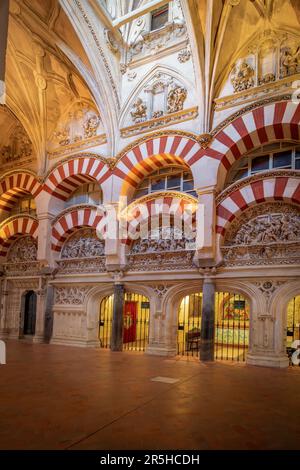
293, 324
232, 319
29, 313
136, 317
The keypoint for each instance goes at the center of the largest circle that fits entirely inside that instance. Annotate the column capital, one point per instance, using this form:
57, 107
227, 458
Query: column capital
212, 189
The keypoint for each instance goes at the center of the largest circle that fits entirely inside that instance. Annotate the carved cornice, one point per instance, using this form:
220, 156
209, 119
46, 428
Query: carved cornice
76, 146
252, 94
258, 177
165, 120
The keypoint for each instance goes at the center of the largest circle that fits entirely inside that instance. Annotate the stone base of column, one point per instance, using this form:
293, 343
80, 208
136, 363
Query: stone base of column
82, 343
267, 360
39, 339
161, 350
206, 350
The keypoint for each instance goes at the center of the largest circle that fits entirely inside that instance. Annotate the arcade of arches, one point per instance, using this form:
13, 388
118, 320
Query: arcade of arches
137, 210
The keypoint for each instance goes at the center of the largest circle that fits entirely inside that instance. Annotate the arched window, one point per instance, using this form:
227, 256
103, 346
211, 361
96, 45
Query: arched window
172, 178
88, 193
24, 205
277, 156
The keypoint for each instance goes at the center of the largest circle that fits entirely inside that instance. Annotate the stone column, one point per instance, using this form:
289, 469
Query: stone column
3, 300
45, 254
206, 223
116, 343
43, 329
4, 11
208, 321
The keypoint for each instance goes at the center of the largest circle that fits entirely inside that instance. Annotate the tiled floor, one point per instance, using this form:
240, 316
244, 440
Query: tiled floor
55, 397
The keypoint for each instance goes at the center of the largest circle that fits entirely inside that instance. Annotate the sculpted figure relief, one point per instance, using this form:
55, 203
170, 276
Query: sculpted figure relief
242, 77
290, 61
139, 111
90, 126
161, 240
176, 98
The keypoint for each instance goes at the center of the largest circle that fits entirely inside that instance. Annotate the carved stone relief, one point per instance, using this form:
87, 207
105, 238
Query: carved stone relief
70, 295
162, 240
242, 76
84, 243
159, 261
267, 234
81, 122
23, 249
18, 146
139, 111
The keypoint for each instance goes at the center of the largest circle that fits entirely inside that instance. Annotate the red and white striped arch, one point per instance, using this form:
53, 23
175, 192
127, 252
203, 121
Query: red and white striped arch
152, 154
14, 228
273, 122
16, 185
265, 189
143, 212
71, 221
68, 176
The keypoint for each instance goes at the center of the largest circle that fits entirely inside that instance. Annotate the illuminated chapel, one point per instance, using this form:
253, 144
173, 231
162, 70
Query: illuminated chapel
119, 116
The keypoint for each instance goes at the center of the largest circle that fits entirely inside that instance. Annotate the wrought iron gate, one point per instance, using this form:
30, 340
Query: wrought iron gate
105, 321
232, 317
136, 316
189, 325
293, 325
231, 326
136, 322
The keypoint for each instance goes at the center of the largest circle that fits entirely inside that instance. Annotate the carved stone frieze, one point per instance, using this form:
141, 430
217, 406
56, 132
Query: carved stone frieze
89, 265
163, 240
30, 268
70, 295
168, 261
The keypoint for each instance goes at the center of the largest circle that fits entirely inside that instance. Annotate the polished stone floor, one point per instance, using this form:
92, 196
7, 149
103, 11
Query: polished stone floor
55, 397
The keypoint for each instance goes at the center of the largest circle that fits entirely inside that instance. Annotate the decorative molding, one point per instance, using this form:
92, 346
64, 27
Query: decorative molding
79, 266
84, 243
100, 50
254, 94
171, 261
165, 120
77, 146
70, 295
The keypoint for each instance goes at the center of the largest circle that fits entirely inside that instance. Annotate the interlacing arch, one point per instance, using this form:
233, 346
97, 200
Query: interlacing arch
259, 189
141, 212
15, 186
13, 228
73, 220
69, 175
153, 153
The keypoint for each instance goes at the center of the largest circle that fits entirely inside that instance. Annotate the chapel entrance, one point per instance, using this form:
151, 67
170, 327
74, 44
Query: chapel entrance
29, 313
232, 318
293, 326
136, 317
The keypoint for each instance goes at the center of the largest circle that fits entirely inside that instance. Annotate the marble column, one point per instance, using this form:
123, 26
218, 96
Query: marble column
206, 222
3, 44
208, 321
116, 343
